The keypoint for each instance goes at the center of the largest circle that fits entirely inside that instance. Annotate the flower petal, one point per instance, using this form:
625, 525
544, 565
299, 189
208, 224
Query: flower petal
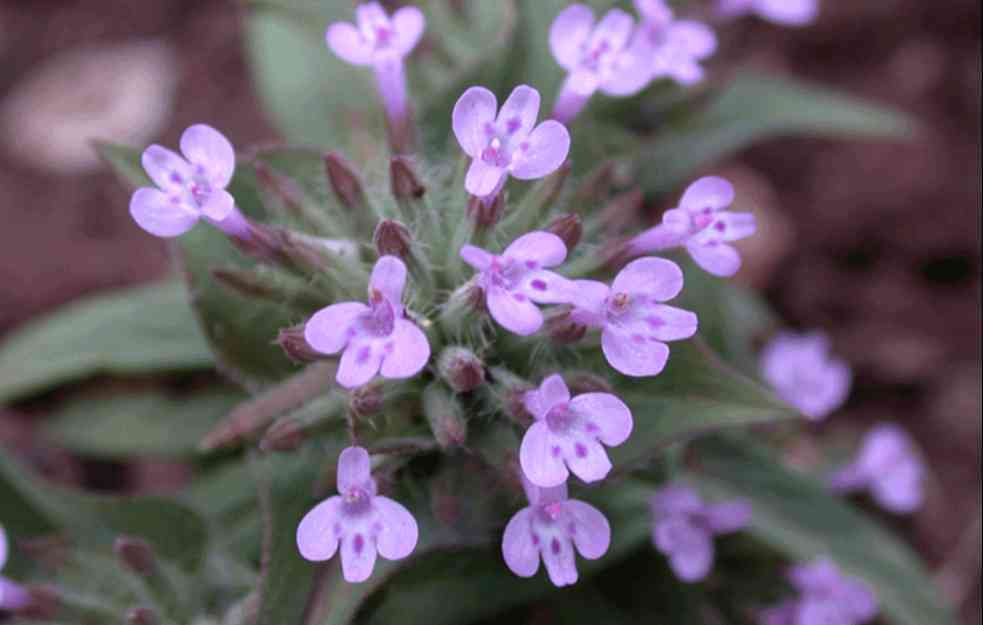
348, 44
409, 24
358, 556
615, 29
731, 226
554, 391
541, 457
719, 259
668, 323
13, 596
518, 548
654, 10
675, 499
788, 12
900, 489
359, 363
569, 32
329, 330
399, 533
410, 351
547, 287
160, 214
633, 355
483, 179
540, 495
543, 151
208, 148
609, 416
559, 559
4, 547
710, 192
389, 278
696, 39
592, 532
478, 258
728, 517
219, 205
657, 278
693, 563
166, 168
543, 248
514, 311
520, 111
319, 530
472, 115
354, 469
633, 70
587, 459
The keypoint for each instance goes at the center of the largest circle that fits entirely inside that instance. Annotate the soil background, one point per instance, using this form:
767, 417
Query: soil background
877, 243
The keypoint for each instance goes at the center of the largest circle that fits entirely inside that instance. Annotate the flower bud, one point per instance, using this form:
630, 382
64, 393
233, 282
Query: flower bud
510, 391
142, 616
289, 432
486, 214
368, 400
569, 227
282, 194
445, 416
136, 554
623, 209
403, 179
561, 327
392, 238
344, 181
296, 347
581, 382
461, 369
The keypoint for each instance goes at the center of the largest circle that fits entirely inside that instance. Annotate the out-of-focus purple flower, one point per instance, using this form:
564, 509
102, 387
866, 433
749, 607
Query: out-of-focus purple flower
360, 521
570, 434
13, 596
376, 338
549, 529
381, 42
506, 142
634, 321
888, 467
677, 46
606, 56
785, 12
703, 226
189, 188
804, 374
826, 597
684, 527
518, 279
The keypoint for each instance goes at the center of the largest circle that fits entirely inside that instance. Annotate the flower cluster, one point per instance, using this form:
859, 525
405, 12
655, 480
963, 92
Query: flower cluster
826, 597
13, 596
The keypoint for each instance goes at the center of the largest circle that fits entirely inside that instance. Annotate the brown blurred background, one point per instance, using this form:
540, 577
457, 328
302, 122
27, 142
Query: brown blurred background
877, 243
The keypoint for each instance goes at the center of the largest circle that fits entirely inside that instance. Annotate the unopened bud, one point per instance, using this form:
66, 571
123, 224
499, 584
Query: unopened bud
461, 369
405, 183
445, 416
296, 347
623, 209
136, 554
142, 616
585, 382
570, 228
44, 603
510, 392
367, 400
244, 282
283, 192
289, 432
392, 238
562, 328
344, 181
486, 213
598, 183
284, 435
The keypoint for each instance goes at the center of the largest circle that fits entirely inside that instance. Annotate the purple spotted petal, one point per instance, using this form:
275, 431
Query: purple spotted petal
710, 192
615, 28
586, 458
219, 206
478, 258
632, 71
551, 392
207, 148
728, 517
568, 34
474, 112
484, 179
719, 259
668, 323
592, 532
399, 534
544, 248
633, 354
560, 561
729, 226
541, 457
360, 362
328, 330
355, 470
543, 151
547, 287
520, 111
409, 24
410, 354
514, 311
520, 552
358, 557
657, 278
389, 278
155, 212
348, 44
317, 535
608, 417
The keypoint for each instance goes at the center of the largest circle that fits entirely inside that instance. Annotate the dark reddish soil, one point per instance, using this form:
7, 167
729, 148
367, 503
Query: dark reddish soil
884, 239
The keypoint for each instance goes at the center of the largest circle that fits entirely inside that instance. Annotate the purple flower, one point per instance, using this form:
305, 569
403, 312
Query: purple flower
888, 467
635, 323
549, 528
571, 433
358, 519
703, 226
786, 12
189, 187
376, 338
805, 375
383, 43
517, 278
677, 46
684, 526
826, 597
13, 596
606, 57
506, 142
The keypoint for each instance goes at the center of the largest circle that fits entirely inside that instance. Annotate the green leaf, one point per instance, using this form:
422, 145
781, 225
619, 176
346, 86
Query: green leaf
799, 517
753, 108
147, 423
141, 330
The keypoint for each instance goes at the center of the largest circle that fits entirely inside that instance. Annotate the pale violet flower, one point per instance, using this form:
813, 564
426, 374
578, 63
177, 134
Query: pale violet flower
684, 527
375, 338
802, 371
570, 434
363, 523
826, 597
703, 226
519, 278
382, 42
785, 12
678, 46
189, 187
605, 56
506, 142
888, 467
635, 323
13, 596
549, 529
